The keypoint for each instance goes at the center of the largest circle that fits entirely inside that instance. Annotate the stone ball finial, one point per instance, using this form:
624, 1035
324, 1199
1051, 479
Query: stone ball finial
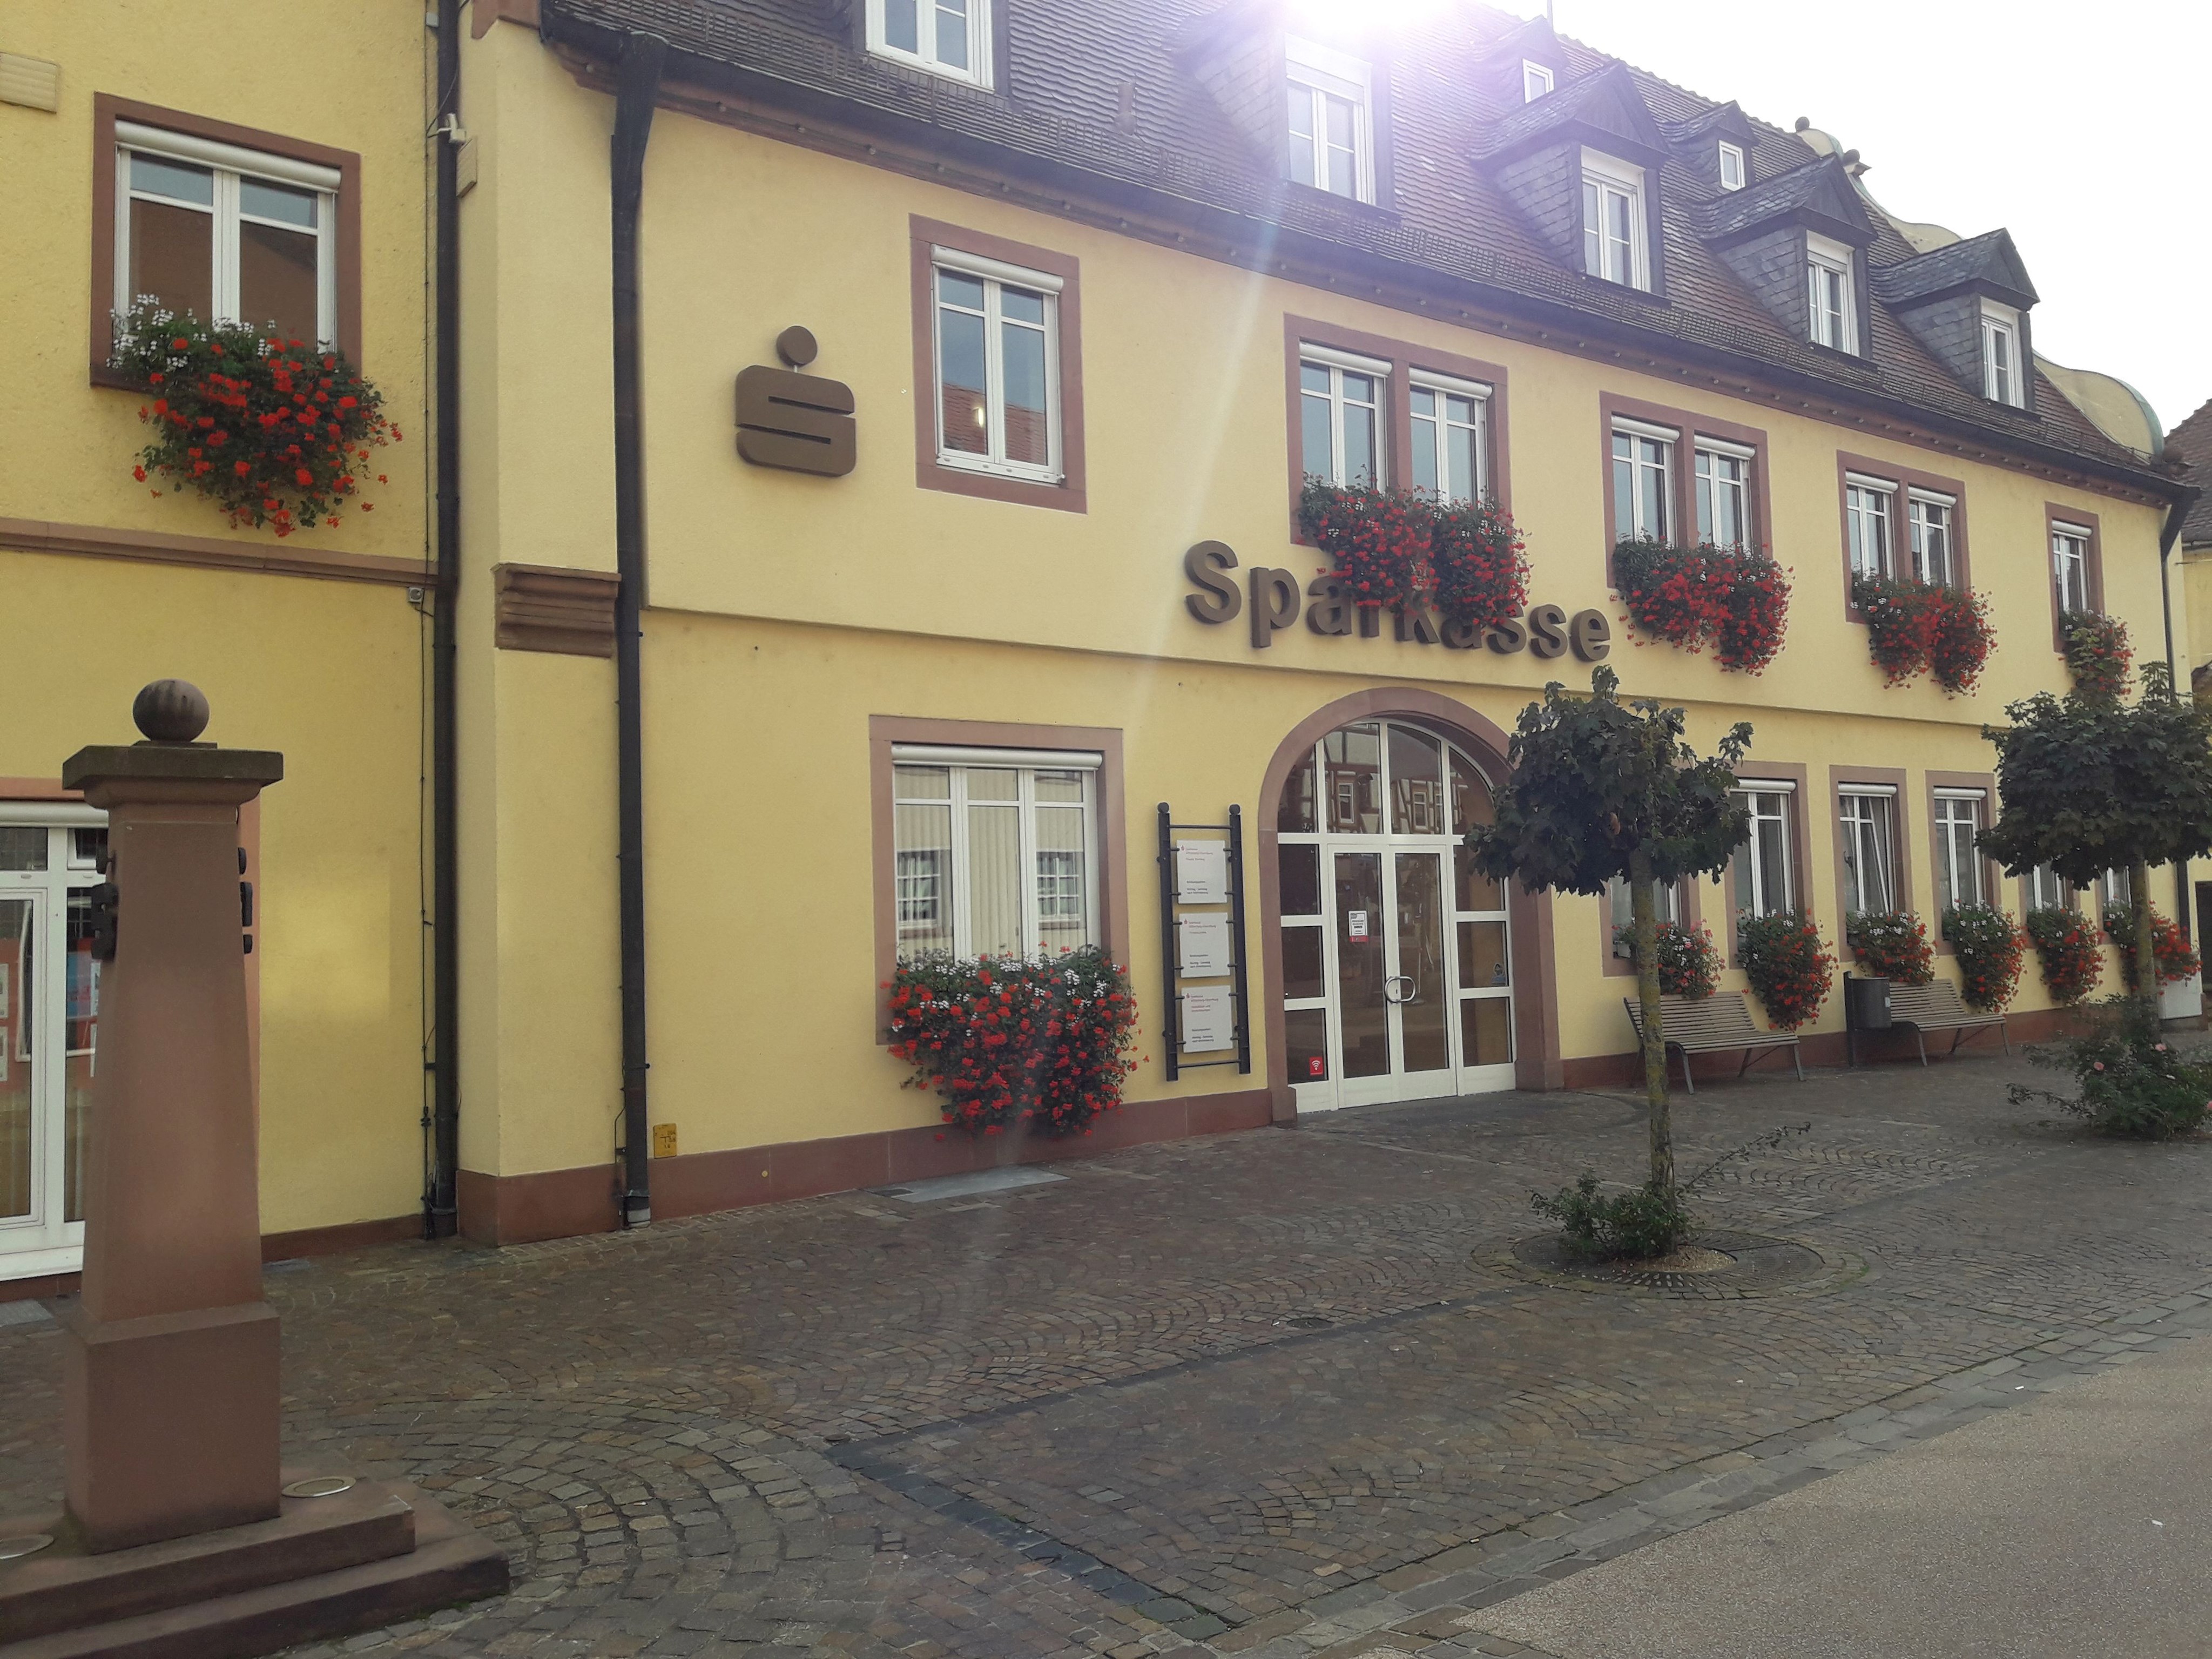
171, 711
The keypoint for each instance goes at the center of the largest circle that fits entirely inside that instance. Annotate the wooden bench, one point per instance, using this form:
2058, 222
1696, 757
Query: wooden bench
1938, 1007
1721, 1024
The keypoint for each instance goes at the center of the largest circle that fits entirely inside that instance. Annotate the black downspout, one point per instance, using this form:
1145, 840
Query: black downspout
440, 1205
2175, 513
639, 80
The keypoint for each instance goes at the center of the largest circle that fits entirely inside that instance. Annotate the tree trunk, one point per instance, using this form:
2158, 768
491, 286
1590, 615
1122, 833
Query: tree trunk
2146, 986
1644, 908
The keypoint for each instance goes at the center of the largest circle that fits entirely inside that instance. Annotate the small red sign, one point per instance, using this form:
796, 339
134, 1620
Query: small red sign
1317, 1067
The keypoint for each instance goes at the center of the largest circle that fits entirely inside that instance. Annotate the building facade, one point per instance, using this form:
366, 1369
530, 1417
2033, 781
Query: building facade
950, 456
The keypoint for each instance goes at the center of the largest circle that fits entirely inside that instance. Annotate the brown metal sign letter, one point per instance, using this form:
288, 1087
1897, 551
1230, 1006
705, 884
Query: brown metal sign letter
798, 421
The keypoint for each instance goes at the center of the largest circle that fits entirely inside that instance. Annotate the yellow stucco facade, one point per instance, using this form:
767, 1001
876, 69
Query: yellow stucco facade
786, 612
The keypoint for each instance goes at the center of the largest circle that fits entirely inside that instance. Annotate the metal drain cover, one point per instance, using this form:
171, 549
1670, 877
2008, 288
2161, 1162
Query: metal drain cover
319, 1486
29, 1543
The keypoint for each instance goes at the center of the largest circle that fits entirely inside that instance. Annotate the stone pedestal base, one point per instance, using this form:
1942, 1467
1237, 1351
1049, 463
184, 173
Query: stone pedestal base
323, 1567
171, 1422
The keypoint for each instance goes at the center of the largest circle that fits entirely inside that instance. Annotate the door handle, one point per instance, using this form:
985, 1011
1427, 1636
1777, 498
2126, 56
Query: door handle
1412, 996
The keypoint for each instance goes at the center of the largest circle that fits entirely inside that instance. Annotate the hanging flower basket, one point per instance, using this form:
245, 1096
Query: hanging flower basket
1009, 1040
2066, 950
1915, 626
2097, 654
1891, 944
1478, 563
2168, 948
1992, 948
1736, 601
1788, 964
276, 431
1378, 538
1689, 960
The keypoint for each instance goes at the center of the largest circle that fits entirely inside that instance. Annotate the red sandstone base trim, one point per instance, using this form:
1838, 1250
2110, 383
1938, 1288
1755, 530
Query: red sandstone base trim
274, 1246
1817, 1048
560, 1203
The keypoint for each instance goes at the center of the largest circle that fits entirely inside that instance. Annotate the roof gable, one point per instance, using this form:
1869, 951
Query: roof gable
1603, 110
1989, 262
1819, 196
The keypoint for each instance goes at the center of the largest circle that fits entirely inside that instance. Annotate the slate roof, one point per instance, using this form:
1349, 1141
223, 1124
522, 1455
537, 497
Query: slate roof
1100, 99
1820, 185
2193, 438
1989, 257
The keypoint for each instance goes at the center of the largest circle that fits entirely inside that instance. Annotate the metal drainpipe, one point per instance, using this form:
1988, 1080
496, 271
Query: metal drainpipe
2175, 513
440, 1205
638, 80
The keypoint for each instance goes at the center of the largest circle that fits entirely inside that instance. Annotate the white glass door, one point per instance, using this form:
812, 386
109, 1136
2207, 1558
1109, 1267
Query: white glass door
49, 1024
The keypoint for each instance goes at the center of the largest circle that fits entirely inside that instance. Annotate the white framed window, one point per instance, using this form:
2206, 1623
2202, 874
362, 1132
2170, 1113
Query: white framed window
1958, 865
1642, 481
1723, 488
1732, 171
2045, 891
998, 367
1929, 521
1341, 410
226, 234
1833, 306
1620, 909
1867, 508
1764, 868
1614, 240
2004, 376
951, 38
994, 851
1332, 126
1535, 80
1451, 437
2115, 887
2069, 565
1868, 817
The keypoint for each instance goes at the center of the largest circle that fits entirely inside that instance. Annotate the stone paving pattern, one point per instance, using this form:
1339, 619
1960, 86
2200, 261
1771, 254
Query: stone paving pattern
1104, 1416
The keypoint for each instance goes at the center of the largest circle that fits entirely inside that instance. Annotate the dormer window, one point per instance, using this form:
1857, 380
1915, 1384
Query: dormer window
2003, 375
1732, 173
1614, 246
1535, 80
1833, 306
1331, 138
950, 37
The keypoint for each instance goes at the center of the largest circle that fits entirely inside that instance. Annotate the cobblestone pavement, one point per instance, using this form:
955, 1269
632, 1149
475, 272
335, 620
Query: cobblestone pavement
1282, 1394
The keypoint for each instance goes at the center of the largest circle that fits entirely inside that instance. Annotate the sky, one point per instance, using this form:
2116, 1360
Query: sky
2083, 128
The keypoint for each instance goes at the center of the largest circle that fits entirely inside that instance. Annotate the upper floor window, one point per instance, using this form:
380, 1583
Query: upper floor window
1642, 481
994, 853
1535, 80
2069, 565
1867, 820
1834, 308
1723, 492
1932, 552
1341, 408
1732, 174
1450, 438
2003, 375
1331, 130
1765, 879
1867, 504
949, 38
1614, 239
226, 234
998, 367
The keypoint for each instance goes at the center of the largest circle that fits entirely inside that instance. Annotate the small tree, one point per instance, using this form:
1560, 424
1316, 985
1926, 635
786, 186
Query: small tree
2088, 784
1601, 790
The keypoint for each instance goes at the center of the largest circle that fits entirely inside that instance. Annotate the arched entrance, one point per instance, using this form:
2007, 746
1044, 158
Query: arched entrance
1390, 962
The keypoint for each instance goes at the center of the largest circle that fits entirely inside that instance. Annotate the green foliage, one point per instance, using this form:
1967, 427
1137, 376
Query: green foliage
1892, 945
2089, 784
2133, 1083
1595, 781
2066, 947
1689, 962
1992, 948
1635, 1225
1789, 964
2169, 948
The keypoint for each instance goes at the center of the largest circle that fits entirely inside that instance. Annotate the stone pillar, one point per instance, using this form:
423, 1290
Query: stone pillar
171, 1395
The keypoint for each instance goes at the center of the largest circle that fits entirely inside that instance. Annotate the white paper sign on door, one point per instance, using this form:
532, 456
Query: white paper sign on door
1202, 872
1355, 923
1202, 946
1208, 1022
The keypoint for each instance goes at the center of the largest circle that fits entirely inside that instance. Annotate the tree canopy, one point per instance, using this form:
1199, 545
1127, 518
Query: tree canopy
2091, 784
1596, 782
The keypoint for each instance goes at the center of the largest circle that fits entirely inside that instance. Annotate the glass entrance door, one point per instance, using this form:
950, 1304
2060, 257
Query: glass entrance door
49, 1025
1396, 982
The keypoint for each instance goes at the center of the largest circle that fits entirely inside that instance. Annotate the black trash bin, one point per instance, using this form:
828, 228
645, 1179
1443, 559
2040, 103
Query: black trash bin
1866, 1008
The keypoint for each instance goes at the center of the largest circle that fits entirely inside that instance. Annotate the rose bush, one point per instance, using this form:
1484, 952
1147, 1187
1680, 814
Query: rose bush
277, 431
